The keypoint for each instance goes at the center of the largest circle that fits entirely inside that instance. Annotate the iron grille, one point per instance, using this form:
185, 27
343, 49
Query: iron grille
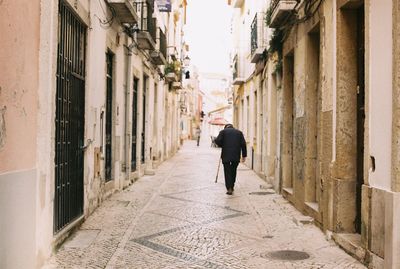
254, 35
143, 146
274, 4
147, 22
163, 43
109, 115
134, 123
69, 120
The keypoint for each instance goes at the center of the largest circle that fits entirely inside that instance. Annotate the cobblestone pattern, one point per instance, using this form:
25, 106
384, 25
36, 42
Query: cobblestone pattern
180, 218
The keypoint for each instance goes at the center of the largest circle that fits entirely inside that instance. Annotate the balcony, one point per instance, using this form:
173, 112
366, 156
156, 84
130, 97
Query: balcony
146, 37
177, 85
280, 11
124, 10
173, 53
171, 77
171, 72
258, 42
237, 79
159, 55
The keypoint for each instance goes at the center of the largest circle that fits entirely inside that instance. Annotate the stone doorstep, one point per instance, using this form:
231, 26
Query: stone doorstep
261, 175
64, 234
312, 209
303, 220
374, 261
287, 191
351, 243
81, 239
149, 172
266, 186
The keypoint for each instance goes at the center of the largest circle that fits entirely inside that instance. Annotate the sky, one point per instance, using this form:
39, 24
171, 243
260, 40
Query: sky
208, 35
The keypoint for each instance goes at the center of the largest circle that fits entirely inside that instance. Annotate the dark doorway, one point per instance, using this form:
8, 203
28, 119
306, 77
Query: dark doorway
134, 123
360, 112
313, 190
145, 86
288, 122
109, 108
70, 118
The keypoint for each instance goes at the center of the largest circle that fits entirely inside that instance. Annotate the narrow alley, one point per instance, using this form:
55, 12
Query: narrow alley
103, 104
179, 218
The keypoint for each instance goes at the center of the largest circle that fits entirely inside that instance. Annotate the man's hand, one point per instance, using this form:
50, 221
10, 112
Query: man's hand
243, 159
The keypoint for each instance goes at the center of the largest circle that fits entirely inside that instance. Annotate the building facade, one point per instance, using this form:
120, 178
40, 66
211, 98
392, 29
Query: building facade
87, 107
328, 118
250, 38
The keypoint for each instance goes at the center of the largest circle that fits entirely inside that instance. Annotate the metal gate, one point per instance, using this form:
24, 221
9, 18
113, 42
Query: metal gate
145, 85
109, 108
70, 108
134, 123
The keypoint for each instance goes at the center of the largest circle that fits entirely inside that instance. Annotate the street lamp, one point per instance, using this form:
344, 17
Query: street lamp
186, 61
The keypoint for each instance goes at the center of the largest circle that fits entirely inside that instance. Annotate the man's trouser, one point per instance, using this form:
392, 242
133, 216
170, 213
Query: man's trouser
230, 174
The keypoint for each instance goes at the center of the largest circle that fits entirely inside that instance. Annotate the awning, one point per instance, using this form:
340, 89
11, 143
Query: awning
218, 121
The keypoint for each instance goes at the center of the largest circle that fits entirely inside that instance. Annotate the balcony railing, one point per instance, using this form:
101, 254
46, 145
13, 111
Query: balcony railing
163, 43
236, 74
147, 25
258, 38
160, 53
235, 67
254, 35
280, 9
274, 4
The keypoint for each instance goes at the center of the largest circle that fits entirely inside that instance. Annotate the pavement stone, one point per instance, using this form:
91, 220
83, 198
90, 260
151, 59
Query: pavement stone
179, 218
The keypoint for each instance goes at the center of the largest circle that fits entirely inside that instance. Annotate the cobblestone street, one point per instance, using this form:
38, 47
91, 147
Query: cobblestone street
180, 218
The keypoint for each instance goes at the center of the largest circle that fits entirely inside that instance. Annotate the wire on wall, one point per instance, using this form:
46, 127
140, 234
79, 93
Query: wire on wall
106, 23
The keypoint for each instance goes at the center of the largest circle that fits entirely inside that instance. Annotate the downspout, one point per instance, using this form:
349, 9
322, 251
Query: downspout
128, 70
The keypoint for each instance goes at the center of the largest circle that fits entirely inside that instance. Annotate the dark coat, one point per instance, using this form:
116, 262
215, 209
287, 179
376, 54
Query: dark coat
232, 142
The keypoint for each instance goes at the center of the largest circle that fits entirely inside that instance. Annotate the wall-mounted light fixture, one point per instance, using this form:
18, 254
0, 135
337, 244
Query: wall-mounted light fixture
186, 61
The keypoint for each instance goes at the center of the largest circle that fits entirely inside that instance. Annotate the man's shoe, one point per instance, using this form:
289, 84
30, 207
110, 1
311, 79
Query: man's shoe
230, 191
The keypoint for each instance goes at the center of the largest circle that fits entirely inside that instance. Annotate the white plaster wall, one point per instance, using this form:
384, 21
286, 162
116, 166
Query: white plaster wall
380, 98
18, 221
45, 140
150, 122
97, 44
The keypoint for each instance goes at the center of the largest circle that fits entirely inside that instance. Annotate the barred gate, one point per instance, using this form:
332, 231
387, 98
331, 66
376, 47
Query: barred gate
70, 110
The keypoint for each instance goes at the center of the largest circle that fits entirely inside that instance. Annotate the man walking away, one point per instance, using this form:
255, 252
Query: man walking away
198, 133
232, 143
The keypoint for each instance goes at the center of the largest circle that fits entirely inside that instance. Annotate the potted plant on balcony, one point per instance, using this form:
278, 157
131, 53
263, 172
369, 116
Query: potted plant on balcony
169, 71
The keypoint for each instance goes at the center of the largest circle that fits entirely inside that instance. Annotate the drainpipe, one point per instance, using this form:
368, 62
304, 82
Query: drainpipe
127, 106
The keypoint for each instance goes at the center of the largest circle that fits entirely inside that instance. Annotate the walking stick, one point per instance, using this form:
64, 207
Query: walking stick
219, 164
